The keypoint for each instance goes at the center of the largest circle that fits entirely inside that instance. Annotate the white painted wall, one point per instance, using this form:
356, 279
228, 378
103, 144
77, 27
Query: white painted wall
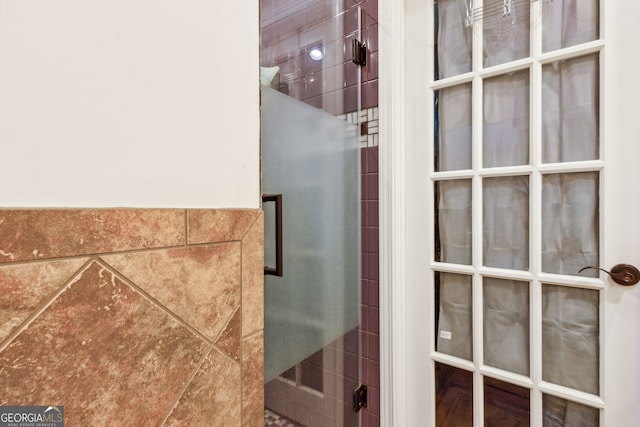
133, 103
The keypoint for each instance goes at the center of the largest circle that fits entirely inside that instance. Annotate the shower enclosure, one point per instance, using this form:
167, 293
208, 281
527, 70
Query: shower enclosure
311, 97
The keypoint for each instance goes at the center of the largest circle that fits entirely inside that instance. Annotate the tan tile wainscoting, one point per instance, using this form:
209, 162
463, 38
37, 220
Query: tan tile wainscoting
133, 317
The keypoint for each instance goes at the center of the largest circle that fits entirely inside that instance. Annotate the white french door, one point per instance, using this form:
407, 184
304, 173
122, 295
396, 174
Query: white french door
517, 166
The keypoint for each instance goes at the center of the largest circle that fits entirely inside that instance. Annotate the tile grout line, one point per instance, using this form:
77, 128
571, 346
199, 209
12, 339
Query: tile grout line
114, 252
186, 385
241, 352
228, 320
260, 213
151, 299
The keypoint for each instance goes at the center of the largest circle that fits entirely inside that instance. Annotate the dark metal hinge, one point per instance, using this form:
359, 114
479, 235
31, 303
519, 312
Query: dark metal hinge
358, 53
359, 397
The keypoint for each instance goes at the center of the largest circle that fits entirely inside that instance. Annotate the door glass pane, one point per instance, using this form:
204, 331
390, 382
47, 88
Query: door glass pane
570, 126
505, 222
506, 324
570, 223
316, 301
454, 396
558, 412
454, 315
313, 98
505, 131
505, 31
454, 37
505, 404
453, 134
569, 22
570, 337
312, 371
453, 221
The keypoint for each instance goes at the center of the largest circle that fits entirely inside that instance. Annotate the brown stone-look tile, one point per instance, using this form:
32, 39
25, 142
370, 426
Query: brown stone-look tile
105, 352
24, 287
253, 278
219, 225
213, 396
229, 340
200, 284
253, 381
34, 234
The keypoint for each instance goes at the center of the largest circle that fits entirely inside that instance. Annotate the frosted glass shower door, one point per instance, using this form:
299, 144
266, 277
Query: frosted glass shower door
312, 159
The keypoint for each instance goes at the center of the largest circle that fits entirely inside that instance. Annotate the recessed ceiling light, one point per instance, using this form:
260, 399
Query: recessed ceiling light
316, 54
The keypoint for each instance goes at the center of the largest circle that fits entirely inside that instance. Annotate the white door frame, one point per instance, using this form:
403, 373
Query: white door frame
405, 391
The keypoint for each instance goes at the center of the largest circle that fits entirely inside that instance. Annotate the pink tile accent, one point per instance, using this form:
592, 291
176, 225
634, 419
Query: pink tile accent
365, 345
351, 20
372, 9
42, 234
373, 213
374, 421
373, 369
374, 319
372, 38
351, 73
374, 293
372, 186
364, 287
370, 94
373, 266
221, 225
374, 346
374, 401
372, 66
372, 160
364, 322
370, 240
113, 340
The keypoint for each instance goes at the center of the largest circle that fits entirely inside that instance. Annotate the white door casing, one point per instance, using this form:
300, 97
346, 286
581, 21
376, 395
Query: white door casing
406, 69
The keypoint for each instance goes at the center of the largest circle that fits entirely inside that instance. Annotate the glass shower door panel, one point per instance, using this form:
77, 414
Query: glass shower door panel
314, 163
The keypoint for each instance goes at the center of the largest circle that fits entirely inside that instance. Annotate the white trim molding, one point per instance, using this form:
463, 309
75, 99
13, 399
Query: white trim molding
391, 158
405, 304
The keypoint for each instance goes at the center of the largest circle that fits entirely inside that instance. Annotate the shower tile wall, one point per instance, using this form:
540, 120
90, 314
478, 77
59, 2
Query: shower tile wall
133, 317
290, 29
370, 330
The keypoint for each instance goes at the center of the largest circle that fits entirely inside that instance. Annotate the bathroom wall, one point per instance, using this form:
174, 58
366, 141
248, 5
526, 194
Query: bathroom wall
133, 317
370, 326
130, 103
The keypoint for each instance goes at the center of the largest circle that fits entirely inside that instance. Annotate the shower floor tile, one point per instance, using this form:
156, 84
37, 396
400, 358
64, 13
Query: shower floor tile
273, 419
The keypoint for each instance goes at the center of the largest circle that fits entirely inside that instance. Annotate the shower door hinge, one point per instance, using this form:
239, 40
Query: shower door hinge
358, 53
359, 397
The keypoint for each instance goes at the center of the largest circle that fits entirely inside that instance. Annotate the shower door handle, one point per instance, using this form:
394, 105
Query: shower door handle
277, 198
